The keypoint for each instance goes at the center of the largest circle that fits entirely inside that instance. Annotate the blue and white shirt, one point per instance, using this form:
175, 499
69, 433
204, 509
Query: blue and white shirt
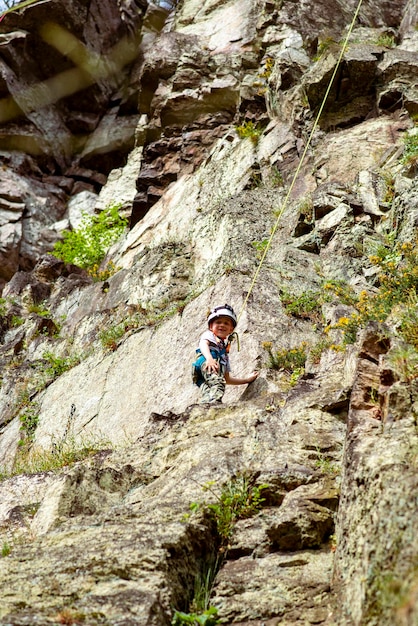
216, 344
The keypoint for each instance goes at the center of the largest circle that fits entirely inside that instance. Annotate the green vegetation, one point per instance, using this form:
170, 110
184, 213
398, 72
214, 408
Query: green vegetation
276, 177
324, 46
260, 246
315, 351
28, 417
202, 589
294, 377
306, 209
16, 321
39, 309
34, 460
389, 182
325, 465
385, 593
263, 76
70, 617
387, 41
110, 337
100, 275
249, 129
87, 245
288, 360
267, 69
47, 370
343, 292
306, 305
160, 311
207, 618
239, 498
6, 549
395, 295
404, 361
55, 365
410, 155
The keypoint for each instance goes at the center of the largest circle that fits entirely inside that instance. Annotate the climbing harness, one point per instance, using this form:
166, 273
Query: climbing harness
217, 353
296, 174
197, 375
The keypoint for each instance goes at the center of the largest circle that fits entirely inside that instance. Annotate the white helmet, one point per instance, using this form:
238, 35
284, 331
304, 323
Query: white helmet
223, 311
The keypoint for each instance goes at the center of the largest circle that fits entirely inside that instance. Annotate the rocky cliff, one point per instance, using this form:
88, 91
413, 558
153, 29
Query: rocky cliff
264, 153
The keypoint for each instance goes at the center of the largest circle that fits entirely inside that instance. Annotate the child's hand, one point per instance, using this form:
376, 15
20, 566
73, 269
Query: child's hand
211, 365
253, 376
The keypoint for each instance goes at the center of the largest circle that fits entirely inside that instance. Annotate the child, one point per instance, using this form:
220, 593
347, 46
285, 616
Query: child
213, 360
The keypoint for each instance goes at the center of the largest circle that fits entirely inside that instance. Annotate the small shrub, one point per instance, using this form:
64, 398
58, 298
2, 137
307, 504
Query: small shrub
16, 321
297, 373
396, 294
276, 177
203, 588
341, 290
326, 465
315, 351
410, 155
349, 326
6, 549
207, 618
110, 337
323, 47
267, 69
86, 246
306, 209
264, 76
29, 417
389, 182
249, 129
56, 365
260, 246
404, 361
35, 460
238, 499
256, 180
306, 305
39, 309
387, 41
100, 275
288, 360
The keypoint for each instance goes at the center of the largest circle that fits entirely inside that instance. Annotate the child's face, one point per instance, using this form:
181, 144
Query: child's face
222, 327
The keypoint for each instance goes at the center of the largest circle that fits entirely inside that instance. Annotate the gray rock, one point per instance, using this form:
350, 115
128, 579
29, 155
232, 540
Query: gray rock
112, 539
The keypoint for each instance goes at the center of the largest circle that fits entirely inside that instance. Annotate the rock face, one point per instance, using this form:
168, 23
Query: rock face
194, 118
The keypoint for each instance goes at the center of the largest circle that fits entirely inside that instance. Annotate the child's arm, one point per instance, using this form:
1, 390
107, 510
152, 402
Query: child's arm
210, 365
230, 380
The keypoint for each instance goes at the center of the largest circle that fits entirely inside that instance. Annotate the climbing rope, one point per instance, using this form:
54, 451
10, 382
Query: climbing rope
296, 174
301, 161
16, 7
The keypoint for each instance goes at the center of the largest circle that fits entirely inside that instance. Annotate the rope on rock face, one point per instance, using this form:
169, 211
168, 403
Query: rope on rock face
296, 174
16, 7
